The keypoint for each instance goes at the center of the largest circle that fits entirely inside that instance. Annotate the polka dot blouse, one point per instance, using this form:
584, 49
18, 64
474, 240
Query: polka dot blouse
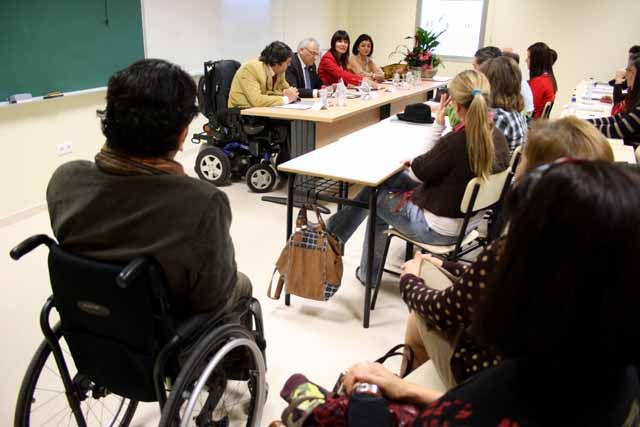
450, 310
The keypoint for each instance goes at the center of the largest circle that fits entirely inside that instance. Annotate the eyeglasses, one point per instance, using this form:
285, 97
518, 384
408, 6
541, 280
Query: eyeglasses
312, 52
538, 173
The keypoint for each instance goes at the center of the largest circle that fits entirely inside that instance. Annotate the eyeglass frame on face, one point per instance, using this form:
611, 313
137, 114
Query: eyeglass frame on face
312, 52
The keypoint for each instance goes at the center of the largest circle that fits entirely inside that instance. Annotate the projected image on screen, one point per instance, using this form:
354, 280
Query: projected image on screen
462, 20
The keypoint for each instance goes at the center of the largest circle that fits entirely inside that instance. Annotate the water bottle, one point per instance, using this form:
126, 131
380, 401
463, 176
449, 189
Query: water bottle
589, 91
396, 79
341, 94
573, 106
365, 90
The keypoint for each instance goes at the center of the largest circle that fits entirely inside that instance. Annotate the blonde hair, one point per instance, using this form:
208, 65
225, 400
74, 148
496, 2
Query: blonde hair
470, 89
567, 137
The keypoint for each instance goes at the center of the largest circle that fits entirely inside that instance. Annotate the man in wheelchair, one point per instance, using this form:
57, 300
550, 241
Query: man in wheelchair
151, 305
132, 199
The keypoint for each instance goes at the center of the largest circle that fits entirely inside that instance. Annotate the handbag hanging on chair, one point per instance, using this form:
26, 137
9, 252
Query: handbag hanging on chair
310, 264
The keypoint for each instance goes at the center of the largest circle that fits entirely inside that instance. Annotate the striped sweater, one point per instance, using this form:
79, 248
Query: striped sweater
624, 125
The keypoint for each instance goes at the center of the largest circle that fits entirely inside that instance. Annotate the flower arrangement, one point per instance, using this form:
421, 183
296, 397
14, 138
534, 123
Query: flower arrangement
422, 54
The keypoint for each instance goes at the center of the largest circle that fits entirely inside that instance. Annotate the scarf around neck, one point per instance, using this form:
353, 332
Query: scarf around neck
116, 163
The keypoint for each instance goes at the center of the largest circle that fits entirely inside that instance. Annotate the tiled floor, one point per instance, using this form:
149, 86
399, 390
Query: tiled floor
313, 338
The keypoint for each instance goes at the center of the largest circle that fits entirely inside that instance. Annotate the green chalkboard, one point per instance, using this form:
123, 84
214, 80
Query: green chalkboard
66, 45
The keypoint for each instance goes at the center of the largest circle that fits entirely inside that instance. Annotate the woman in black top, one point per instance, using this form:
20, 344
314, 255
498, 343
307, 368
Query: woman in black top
625, 124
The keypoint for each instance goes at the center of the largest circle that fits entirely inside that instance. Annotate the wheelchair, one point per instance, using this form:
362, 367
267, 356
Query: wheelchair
117, 344
233, 146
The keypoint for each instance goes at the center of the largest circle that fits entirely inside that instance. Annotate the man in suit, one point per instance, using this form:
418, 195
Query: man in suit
261, 82
302, 72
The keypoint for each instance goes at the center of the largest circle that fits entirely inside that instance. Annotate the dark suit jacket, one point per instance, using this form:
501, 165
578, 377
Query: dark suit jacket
295, 77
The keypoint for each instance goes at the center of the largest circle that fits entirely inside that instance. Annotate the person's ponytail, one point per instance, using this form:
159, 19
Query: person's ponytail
478, 130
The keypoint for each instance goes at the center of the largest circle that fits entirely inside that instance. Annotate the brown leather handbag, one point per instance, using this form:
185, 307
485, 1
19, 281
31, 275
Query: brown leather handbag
310, 264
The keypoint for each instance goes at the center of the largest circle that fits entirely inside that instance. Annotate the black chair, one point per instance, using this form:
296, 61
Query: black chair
546, 111
117, 344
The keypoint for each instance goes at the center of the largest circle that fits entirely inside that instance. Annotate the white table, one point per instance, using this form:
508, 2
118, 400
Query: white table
589, 108
367, 157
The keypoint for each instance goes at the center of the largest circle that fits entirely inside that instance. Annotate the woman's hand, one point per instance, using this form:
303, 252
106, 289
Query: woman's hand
621, 76
412, 266
445, 100
392, 386
433, 260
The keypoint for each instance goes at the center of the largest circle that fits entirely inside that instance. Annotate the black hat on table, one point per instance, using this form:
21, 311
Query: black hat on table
416, 113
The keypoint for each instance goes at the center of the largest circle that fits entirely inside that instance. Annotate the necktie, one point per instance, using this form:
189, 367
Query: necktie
307, 79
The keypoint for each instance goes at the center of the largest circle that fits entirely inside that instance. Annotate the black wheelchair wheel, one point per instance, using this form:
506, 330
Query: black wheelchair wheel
213, 165
42, 399
260, 178
231, 389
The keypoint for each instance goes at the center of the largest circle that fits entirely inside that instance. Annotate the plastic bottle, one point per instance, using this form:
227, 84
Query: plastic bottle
589, 91
396, 79
573, 106
341, 94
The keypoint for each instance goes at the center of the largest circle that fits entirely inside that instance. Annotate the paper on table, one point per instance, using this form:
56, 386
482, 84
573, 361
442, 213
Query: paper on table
440, 78
295, 106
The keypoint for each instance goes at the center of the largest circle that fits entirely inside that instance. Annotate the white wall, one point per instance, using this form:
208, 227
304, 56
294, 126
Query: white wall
30, 132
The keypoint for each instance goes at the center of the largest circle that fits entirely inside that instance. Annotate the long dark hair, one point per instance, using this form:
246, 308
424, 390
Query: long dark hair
339, 36
541, 60
362, 38
566, 279
632, 100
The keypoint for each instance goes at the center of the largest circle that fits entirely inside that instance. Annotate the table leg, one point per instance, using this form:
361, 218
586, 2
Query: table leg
385, 111
290, 186
371, 229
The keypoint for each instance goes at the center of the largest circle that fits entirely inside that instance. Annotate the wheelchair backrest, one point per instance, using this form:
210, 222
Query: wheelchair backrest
214, 86
114, 330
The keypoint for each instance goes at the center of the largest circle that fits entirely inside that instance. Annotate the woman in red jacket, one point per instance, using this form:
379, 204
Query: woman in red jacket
333, 65
540, 60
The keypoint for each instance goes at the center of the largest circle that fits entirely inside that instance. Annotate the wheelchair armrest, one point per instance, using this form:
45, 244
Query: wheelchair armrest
30, 244
192, 325
132, 271
251, 129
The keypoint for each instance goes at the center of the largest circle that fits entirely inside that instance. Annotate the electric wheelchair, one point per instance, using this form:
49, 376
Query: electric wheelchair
116, 344
232, 145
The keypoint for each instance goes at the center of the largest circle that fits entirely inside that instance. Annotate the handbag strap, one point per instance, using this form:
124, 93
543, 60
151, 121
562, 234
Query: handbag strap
301, 221
279, 286
393, 351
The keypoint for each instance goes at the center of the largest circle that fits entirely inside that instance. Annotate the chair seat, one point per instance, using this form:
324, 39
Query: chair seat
436, 249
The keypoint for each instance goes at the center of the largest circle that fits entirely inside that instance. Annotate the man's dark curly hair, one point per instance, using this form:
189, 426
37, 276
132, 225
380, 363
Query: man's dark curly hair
149, 104
275, 53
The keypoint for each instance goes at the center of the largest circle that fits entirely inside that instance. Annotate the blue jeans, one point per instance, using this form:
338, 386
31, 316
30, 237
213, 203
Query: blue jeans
409, 220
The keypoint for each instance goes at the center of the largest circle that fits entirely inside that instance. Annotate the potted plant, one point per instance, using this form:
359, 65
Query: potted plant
422, 56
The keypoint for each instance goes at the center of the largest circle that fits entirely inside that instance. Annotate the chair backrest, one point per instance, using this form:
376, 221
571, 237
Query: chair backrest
488, 191
115, 319
546, 111
214, 86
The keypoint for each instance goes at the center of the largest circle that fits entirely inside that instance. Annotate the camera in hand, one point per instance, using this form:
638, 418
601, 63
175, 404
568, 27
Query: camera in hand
367, 407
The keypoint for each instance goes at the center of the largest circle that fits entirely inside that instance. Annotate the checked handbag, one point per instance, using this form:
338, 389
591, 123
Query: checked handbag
310, 264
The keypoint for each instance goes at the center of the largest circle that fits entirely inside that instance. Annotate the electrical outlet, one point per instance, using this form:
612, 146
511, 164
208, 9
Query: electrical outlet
64, 149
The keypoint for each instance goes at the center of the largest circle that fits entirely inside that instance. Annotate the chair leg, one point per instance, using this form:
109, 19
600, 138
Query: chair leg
379, 278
